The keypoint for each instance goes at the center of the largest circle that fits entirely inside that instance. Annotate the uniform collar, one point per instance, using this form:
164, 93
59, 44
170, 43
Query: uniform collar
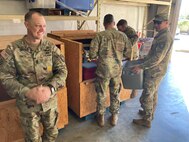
126, 29
112, 29
27, 45
161, 32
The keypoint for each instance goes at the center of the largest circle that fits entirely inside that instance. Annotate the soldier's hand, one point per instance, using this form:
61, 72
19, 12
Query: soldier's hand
39, 94
31, 94
136, 69
44, 94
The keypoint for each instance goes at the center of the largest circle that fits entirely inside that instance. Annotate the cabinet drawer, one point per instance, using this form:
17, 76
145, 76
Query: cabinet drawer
125, 94
88, 98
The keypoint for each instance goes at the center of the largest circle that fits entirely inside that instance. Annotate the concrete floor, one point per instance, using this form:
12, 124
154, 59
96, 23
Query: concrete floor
171, 122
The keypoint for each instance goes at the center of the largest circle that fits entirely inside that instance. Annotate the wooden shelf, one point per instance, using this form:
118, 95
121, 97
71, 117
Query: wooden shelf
140, 1
50, 18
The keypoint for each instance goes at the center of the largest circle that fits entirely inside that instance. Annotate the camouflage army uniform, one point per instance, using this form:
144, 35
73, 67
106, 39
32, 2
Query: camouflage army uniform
155, 66
22, 69
109, 46
133, 38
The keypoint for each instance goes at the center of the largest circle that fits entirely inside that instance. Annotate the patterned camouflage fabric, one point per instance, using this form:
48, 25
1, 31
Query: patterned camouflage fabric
110, 47
21, 69
30, 123
133, 38
155, 66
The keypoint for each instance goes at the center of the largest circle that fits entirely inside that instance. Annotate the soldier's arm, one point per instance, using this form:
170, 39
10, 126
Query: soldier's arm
133, 37
8, 75
155, 57
127, 49
94, 47
60, 72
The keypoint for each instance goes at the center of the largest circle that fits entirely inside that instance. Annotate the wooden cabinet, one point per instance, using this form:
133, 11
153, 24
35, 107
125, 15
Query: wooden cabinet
10, 127
81, 93
62, 108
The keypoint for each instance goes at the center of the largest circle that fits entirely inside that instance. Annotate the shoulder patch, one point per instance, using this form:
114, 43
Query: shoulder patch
4, 54
161, 45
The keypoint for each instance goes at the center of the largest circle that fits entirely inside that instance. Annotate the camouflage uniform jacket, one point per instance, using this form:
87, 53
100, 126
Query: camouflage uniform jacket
22, 68
109, 46
156, 62
133, 37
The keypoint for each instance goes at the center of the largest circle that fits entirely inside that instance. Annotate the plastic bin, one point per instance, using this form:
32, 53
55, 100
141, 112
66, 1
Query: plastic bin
78, 4
89, 69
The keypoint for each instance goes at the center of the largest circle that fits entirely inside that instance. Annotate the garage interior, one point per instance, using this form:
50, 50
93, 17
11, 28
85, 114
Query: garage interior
76, 122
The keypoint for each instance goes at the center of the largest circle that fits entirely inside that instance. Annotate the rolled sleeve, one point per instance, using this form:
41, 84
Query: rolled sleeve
94, 48
22, 93
128, 48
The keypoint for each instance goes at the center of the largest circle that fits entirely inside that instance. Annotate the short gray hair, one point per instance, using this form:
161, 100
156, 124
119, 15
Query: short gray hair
29, 14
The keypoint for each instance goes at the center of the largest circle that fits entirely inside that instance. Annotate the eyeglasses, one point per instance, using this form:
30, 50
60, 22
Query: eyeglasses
157, 22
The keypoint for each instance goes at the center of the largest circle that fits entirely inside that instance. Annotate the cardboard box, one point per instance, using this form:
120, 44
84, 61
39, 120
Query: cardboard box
40, 4
145, 47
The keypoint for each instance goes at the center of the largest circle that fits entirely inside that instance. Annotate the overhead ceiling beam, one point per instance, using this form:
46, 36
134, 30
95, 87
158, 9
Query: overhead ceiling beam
49, 18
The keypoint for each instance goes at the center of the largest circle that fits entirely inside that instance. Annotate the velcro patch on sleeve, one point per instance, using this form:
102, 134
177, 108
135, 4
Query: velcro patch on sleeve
162, 45
4, 55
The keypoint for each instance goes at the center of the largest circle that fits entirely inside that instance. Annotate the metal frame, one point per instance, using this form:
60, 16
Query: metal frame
81, 19
98, 4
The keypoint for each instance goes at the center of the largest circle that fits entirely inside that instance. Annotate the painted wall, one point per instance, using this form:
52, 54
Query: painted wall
133, 14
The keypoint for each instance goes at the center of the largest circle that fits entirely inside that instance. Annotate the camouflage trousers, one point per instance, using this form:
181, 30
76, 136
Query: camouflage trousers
31, 126
149, 96
102, 86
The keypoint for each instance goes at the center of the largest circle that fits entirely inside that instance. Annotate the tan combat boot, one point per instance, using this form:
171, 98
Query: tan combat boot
141, 112
142, 122
114, 119
100, 119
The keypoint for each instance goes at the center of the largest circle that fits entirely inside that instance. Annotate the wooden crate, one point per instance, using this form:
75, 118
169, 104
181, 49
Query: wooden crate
81, 94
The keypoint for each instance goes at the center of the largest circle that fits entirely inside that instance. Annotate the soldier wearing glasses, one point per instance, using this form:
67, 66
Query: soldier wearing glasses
155, 66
